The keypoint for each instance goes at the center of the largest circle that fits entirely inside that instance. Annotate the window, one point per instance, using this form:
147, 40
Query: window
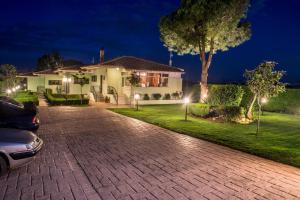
125, 79
164, 80
54, 82
153, 79
78, 80
94, 78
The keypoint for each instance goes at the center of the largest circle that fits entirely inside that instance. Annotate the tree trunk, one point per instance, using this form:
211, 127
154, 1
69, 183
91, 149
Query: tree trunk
249, 111
258, 117
205, 66
203, 84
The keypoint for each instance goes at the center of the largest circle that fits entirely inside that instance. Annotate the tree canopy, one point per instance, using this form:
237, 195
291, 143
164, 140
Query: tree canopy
204, 27
8, 75
264, 82
49, 61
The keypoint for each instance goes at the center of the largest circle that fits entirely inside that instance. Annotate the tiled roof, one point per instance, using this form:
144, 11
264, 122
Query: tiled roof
46, 71
133, 63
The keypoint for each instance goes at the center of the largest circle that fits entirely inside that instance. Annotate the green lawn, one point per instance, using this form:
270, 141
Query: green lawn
26, 97
23, 96
279, 139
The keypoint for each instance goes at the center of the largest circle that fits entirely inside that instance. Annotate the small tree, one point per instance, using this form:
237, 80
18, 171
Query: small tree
81, 80
134, 81
8, 75
204, 27
263, 82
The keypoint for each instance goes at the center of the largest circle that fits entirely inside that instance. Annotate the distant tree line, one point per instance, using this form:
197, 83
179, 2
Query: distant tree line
54, 60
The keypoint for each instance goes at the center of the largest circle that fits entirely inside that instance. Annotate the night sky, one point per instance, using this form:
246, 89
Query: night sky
78, 29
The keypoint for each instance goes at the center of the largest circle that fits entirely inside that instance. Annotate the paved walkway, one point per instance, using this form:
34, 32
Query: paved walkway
91, 153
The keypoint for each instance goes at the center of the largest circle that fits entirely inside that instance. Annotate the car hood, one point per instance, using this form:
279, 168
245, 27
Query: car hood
16, 136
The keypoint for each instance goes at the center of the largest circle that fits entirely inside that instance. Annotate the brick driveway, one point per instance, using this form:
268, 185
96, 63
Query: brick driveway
91, 153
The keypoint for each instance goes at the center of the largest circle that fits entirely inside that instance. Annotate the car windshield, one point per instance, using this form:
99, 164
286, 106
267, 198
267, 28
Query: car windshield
11, 101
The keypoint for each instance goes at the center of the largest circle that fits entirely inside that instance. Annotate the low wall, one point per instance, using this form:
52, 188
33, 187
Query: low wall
154, 102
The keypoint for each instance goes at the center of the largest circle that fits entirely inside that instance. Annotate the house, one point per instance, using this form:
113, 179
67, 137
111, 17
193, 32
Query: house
111, 79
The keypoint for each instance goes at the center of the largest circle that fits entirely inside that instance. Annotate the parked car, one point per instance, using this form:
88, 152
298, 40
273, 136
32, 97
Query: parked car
17, 147
17, 115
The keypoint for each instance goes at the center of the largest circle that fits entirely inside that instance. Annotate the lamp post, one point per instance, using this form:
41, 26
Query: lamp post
186, 102
136, 98
263, 101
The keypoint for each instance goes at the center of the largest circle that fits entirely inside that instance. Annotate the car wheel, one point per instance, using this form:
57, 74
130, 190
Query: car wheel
3, 166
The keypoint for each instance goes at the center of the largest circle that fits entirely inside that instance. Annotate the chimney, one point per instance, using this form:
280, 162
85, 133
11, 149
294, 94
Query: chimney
102, 55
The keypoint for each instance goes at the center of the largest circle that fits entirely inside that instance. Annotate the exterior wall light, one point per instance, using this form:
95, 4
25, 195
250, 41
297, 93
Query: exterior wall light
65, 79
186, 102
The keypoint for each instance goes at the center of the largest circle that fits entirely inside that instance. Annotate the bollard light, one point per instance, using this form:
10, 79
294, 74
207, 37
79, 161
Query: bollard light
264, 100
186, 102
8, 91
137, 98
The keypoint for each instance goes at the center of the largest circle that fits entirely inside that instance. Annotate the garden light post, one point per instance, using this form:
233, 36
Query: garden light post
186, 102
263, 101
136, 98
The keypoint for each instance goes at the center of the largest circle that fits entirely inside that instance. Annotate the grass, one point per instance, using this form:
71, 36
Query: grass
287, 102
23, 97
279, 139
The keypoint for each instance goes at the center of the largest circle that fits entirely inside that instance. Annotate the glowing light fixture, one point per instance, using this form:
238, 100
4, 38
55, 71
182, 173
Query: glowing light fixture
65, 79
186, 102
8, 91
13, 89
264, 100
136, 98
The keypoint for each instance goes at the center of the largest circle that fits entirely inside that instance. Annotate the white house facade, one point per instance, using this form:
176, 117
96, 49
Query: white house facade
110, 79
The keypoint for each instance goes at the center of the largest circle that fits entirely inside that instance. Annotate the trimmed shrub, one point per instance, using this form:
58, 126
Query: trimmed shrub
146, 97
59, 99
156, 96
199, 109
228, 113
225, 95
167, 96
175, 95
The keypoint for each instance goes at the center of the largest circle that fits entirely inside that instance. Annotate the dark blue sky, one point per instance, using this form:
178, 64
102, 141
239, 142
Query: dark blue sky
77, 29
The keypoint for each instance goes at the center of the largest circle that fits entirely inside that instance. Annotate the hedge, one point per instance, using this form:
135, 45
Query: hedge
59, 99
225, 95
